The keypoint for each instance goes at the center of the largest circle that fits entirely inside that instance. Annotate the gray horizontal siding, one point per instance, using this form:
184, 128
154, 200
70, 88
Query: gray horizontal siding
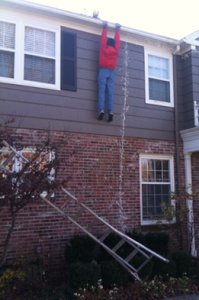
42, 108
179, 91
190, 79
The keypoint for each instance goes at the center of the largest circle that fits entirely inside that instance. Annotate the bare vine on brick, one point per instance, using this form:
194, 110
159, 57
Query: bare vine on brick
178, 216
20, 187
125, 109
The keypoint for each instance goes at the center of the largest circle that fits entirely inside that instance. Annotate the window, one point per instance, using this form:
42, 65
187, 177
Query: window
156, 184
7, 49
196, 113
15, 163
30, 55
159, 79
39, 55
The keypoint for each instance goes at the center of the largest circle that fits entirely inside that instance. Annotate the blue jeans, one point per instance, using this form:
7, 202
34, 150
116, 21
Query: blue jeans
106, 79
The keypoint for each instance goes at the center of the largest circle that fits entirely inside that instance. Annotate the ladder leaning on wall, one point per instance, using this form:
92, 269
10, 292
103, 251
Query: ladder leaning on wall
67, 213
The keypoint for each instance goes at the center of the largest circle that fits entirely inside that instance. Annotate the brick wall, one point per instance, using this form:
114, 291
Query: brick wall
93, 162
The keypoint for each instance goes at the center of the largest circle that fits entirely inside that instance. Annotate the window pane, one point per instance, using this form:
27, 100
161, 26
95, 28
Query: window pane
144, 170
39, 69
152, 197
7, 64
158, 67
165, 165
7, 35
39, 41
166, 176
158, 165
150, 170
159, 90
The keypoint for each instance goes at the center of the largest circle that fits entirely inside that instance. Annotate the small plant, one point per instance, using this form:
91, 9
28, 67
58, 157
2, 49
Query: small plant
11, 283
82, 274
95, 293
156, 288
177, 213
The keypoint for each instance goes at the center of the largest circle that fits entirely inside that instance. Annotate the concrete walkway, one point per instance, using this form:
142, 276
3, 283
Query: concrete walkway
185, 297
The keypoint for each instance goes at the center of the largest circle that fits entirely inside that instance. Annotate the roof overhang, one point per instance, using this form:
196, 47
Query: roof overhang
89, 21
190, 139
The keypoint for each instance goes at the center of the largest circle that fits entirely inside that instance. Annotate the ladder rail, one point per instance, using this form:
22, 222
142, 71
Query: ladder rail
3, 167
129, 240
137, 247
15, 151
115, 255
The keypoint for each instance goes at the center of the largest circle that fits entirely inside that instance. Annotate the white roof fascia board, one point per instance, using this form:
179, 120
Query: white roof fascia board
190, 139
83, 19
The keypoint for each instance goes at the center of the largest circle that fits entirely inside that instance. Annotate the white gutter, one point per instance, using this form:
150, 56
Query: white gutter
42, 9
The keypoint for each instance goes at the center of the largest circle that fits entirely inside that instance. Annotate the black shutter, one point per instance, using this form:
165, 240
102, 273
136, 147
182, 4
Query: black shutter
68, 61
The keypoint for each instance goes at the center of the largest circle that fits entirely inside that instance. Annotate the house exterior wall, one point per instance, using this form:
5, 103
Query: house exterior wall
38, 108
95, 165
179, 92
195, 187
190, 79
94, 169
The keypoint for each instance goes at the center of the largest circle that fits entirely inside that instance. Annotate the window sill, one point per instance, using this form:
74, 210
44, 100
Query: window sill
156, 102
157, 223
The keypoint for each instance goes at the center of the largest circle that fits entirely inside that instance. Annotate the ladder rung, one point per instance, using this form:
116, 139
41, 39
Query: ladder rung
65, 203
131, 255
78, 213
145, 262
136, 247
114, 249
50, 194
93, 223
105, 235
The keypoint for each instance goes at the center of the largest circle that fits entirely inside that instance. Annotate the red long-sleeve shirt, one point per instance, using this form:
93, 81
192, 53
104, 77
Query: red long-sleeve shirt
108, 55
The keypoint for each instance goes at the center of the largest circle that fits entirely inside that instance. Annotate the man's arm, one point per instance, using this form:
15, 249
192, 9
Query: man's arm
117, 37
103, 42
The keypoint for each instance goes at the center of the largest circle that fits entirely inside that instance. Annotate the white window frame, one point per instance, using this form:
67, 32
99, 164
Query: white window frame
196, 113
172, 184
20, 54
162, 54
6, 79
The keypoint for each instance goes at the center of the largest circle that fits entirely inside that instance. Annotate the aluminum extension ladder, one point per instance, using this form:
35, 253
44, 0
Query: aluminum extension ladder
64, 211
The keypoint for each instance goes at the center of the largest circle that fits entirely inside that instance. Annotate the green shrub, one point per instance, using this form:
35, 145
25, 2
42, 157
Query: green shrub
137, 236
80, 275
183, 262
112, 273
165, 270
81, 249
146, 271
157, 241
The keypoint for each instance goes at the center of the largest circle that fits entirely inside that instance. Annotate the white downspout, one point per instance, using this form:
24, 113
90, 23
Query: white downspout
189, 203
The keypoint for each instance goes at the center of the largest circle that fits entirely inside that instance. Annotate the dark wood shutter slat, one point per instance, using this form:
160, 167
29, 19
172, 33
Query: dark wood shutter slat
68, 61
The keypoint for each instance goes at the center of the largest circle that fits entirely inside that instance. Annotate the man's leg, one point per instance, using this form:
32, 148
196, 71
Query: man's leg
101, 91
110, 91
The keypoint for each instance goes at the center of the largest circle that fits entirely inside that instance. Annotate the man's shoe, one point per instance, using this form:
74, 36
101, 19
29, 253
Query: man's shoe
110, 117
101, 114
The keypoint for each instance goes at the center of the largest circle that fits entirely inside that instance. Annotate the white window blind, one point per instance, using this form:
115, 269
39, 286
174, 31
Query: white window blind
7, 49
39, 61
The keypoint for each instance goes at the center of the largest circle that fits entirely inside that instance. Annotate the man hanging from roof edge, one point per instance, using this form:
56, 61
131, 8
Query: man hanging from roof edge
109, 49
